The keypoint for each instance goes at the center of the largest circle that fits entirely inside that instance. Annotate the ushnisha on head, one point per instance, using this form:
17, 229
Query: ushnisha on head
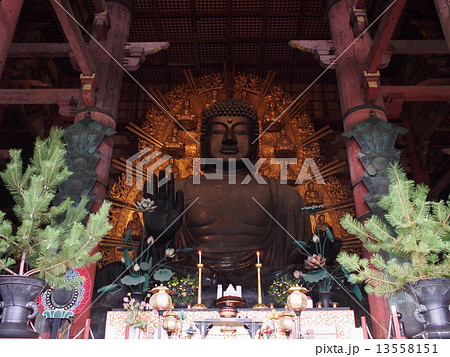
229, 108
229, 128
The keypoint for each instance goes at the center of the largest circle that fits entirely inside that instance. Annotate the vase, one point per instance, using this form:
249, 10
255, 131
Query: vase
433, 296
18, 305
181, 305
280, 305
325, 298
135, 333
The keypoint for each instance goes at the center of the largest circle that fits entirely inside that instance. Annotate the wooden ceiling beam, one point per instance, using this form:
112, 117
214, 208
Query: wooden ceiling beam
417, 47
401, 47
38, 96
135, 52
73, 34
47, 50
52, 49
417, 93
383, 36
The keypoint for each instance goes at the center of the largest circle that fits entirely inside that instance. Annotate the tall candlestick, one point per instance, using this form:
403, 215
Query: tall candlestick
260, 304
199, 304
257, 257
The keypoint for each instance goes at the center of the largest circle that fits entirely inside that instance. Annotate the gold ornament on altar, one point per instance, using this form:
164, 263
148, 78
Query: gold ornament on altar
228, 310
186, 116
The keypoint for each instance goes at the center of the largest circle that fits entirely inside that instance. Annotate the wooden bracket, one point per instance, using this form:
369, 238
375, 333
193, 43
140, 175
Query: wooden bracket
371, 86
323, 50
135, 53
358, 21
88, 87
67, 110
102, 25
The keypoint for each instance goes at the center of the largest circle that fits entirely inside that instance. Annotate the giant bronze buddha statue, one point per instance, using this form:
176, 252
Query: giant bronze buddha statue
233, 216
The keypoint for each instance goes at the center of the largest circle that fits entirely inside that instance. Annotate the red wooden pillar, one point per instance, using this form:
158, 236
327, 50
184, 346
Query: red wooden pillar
9, 15
349, 72
109, 77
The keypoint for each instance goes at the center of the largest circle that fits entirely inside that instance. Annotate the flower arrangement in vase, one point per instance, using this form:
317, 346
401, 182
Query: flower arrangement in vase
184, 289
135, 309
140, 270
279, 287
321, 272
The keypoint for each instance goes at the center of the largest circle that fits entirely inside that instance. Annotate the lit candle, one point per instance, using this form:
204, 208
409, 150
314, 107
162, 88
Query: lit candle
199, 257
257, 257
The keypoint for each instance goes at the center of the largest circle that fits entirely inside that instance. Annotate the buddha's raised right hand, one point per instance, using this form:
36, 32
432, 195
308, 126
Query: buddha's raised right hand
165, 220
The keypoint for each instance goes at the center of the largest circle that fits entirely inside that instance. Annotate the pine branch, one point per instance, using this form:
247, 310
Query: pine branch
356, 228
9, 271
64, 262
22, 263
420, 236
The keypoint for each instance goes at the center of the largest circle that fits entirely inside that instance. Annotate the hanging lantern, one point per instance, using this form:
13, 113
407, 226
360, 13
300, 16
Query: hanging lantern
161, 299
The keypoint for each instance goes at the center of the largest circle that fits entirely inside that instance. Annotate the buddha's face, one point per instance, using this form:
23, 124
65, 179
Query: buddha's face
229, 137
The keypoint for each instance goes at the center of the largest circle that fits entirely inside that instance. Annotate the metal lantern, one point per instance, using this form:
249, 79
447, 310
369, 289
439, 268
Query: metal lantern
161, 299
297, 299
170, 322
286, 321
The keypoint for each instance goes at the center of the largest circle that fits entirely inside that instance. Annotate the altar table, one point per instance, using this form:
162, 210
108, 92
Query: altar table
250, 323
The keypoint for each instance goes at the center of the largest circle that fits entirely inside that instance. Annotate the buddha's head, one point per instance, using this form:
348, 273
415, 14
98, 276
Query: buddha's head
229, 127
